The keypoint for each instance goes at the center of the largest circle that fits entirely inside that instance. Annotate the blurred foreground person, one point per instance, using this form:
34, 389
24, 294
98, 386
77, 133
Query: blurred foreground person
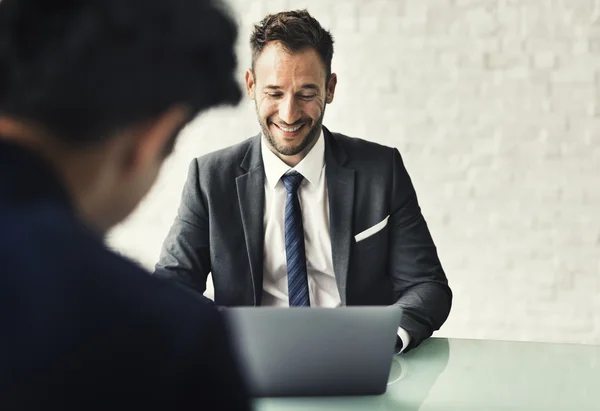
92, 96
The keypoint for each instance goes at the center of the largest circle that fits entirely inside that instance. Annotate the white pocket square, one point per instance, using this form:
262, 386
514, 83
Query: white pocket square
373, 230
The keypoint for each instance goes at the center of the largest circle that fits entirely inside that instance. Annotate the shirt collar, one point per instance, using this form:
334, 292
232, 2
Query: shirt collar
311, 166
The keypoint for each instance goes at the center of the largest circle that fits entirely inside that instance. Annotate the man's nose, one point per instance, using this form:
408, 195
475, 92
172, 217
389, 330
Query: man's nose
289, 111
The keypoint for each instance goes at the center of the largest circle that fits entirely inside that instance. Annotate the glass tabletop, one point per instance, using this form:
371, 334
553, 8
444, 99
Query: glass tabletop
453, 374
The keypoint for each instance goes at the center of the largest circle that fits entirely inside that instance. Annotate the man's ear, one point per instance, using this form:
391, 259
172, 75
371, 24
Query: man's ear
152, 141
250, 84
331, 87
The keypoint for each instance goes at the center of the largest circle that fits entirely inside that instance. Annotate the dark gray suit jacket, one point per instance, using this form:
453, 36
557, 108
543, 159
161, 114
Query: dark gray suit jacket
219, 229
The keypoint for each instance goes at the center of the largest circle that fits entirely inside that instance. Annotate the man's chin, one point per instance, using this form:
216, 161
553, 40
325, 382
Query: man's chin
288, 150
289, 144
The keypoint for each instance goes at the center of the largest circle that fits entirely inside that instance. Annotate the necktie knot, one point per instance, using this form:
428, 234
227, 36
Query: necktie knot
292, 181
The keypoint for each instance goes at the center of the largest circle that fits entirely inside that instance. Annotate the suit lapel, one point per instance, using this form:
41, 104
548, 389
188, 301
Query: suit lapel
340, 188
251, 198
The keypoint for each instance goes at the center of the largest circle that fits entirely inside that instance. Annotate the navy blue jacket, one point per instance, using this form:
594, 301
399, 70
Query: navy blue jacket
82, 328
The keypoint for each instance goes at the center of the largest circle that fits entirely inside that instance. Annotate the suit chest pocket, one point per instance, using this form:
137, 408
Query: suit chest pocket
377, 240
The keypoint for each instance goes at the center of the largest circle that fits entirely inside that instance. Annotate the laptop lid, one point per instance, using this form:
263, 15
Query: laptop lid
315, 351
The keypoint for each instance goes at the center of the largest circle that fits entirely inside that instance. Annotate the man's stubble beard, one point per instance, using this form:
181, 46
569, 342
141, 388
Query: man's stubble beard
310, 138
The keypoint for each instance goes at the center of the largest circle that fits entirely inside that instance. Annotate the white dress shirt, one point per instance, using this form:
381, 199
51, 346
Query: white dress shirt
314, 202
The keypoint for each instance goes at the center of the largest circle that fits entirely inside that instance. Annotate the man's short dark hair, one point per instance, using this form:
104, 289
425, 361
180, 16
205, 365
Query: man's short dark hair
295, 30
83, 69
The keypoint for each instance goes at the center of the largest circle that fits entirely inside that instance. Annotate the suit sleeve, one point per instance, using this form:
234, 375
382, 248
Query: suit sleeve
420, 284
185, 257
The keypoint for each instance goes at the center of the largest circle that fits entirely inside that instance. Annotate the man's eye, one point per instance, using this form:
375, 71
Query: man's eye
307, 97
274, 95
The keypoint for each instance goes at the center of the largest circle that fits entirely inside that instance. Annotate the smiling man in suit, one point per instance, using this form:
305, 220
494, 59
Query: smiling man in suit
299, 215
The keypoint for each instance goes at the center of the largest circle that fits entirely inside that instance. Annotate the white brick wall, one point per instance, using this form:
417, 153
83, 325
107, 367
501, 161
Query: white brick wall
495, 106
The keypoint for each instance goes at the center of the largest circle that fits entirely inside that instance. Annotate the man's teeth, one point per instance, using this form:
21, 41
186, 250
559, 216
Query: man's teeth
290, 129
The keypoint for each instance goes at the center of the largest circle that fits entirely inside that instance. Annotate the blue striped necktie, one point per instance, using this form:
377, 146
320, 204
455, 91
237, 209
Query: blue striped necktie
294, 243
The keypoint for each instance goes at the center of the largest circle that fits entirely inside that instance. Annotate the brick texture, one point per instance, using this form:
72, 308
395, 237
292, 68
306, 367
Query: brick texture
495, 107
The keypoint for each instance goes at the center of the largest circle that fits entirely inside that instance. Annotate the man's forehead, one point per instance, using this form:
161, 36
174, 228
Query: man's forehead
277, 63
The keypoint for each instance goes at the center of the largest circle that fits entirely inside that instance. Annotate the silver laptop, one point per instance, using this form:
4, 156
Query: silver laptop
315, 351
